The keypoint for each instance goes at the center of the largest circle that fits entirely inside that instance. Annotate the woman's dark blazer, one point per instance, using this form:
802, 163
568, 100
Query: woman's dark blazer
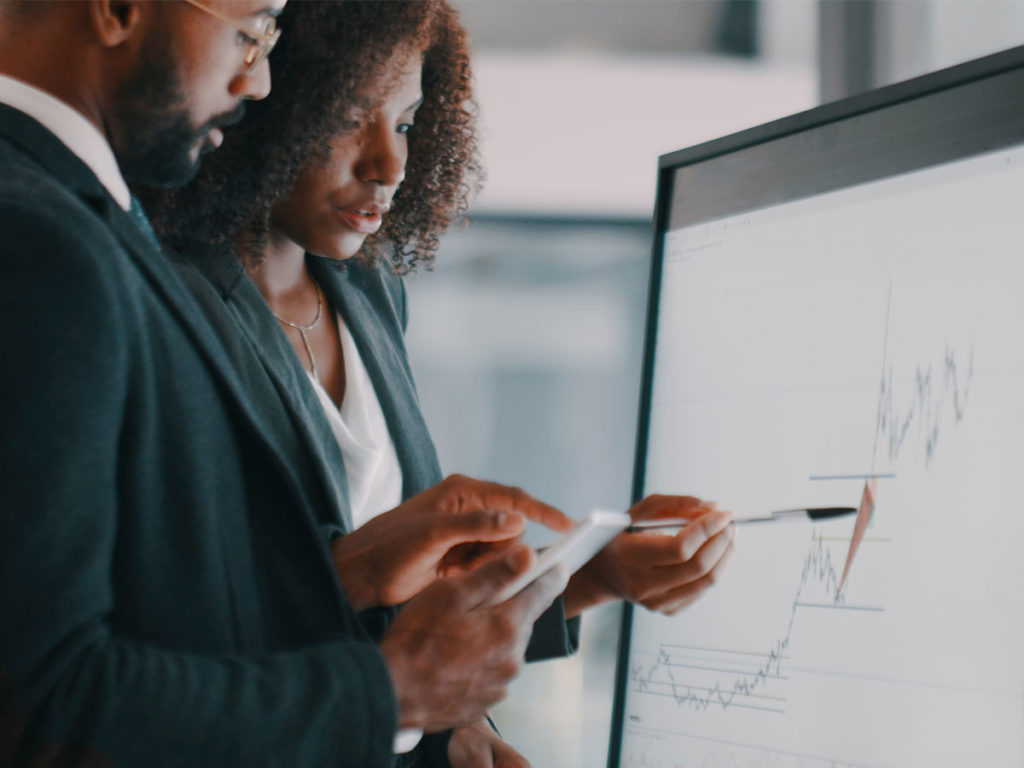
167, 596
371, 300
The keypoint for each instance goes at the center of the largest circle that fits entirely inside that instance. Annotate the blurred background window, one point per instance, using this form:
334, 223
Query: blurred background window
526, 338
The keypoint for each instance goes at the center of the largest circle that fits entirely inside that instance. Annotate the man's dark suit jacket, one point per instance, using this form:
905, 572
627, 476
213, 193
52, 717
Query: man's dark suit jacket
166, 592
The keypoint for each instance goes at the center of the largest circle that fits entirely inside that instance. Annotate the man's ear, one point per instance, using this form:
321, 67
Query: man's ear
114, 21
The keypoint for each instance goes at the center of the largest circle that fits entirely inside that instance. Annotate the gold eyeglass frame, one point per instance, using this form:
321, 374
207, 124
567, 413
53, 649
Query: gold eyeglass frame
258, 45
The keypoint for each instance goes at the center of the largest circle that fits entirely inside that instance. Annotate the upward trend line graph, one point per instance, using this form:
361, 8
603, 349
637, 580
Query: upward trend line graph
931, 396
701, 678
659, 678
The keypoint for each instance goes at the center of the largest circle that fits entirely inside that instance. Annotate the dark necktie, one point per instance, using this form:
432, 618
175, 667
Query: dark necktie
142, 222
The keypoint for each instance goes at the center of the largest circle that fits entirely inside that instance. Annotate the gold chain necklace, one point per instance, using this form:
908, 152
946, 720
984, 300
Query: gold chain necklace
303, 328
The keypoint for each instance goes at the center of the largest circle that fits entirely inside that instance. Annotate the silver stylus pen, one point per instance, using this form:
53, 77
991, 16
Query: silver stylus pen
809, 513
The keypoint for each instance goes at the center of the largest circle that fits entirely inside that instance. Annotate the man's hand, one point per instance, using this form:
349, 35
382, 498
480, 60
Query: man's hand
662, 573
450, 654
478, 746
447, 529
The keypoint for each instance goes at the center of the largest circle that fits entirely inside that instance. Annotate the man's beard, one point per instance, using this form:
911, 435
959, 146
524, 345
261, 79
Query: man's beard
154, 140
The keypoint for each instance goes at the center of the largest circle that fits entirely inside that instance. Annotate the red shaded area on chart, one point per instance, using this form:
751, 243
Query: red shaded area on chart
864, 513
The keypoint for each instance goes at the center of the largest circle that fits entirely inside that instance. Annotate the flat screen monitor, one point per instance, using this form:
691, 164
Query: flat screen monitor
836, 318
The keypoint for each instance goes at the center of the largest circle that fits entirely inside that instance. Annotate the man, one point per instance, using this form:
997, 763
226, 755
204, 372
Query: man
168, 595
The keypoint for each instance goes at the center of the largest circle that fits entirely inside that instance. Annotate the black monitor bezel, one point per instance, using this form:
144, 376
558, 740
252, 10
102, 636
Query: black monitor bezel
954, 77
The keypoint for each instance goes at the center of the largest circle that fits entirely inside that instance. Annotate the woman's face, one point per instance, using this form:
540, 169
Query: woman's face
335, 206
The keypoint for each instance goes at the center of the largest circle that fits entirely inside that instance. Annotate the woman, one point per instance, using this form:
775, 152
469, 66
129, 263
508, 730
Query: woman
337, 183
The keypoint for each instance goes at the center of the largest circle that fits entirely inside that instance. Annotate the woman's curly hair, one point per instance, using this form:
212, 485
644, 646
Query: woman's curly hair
328, 53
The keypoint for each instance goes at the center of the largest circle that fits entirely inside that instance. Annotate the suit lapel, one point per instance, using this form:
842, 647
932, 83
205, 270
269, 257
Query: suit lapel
258, 407
48, 151
44, 148
356, 290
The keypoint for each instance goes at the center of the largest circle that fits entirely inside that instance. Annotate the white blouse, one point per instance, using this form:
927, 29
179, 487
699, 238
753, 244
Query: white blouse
371, 463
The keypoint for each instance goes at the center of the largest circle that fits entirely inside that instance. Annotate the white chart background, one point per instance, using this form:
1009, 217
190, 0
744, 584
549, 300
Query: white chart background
783, 336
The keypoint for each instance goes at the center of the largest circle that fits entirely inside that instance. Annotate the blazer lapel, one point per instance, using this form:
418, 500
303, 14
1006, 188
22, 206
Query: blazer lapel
269, 357
357, 291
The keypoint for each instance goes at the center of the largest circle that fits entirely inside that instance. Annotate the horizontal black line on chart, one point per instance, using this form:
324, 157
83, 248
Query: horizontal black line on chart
865, 476
844, 607
706, 688
818, 568
719, 669
638, 690
833, 762
678, 658
714, 650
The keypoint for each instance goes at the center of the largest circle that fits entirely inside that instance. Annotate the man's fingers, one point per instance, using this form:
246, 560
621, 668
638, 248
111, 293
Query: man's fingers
528, 605
469, 557
477, 587
470, 751
507, 757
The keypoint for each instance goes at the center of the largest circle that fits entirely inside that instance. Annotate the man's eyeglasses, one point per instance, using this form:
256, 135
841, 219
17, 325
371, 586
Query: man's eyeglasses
258, 45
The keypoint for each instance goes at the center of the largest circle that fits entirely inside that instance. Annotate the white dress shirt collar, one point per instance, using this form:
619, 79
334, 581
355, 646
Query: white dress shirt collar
73, 130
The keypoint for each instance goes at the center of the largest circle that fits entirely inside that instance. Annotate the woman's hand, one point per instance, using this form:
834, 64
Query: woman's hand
478, 746
662, 573
450, 528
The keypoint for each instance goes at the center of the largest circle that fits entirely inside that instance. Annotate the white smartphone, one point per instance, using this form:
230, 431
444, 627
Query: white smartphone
574, 549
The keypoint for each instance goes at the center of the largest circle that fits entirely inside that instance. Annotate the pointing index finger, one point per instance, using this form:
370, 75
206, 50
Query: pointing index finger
506, 498
478, 525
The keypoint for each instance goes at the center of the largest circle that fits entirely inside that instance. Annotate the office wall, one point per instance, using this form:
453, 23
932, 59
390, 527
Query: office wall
919, 36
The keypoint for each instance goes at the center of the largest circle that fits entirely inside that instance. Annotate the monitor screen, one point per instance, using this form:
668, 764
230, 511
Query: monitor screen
837, 319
